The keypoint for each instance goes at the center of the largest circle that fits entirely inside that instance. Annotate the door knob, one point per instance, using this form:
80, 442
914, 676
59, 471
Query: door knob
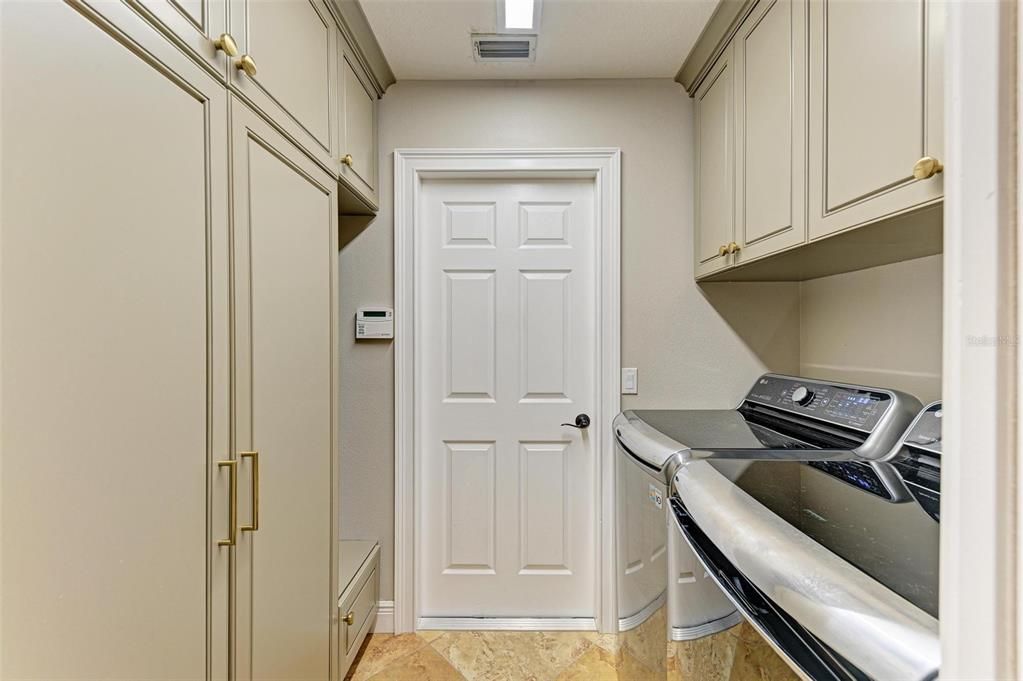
347, 160
927, 167
733, 247
582, 422
722, 251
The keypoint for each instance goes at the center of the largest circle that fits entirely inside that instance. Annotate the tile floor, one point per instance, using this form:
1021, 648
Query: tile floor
738, 654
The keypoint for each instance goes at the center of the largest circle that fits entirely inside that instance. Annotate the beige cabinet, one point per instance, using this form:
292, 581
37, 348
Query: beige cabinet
169, 284
715, 167
197, 25
285, 246
359, 581
358, 127
287, 69
876, 104
115, 352
770, 130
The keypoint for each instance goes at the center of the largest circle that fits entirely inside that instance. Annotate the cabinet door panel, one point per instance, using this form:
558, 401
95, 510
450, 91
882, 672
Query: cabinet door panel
715, 166
114, 352
875, 109
770, 128
285, 267
358, 101
196, 23
293, 44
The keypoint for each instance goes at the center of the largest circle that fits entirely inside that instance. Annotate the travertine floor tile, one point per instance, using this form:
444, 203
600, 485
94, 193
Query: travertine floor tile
596, 664
705, 659
489, 656
755, 660
382, 650
424, 664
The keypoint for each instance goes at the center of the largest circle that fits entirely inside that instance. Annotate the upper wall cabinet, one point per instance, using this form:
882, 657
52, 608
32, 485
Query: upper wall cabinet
286, 68
198, 25
876, 104
715, 167
358, 127
751, 141
770, 130
835, 111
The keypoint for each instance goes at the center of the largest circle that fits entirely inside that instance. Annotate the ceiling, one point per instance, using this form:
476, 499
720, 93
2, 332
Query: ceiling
429, 39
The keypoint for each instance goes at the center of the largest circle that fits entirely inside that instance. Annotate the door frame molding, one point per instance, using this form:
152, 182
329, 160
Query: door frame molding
982, 384
411, 166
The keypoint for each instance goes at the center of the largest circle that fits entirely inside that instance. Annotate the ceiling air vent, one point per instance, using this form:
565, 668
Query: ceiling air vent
503, 48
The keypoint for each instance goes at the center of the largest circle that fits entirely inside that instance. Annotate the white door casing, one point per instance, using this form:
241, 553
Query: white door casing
506, 327
504, 297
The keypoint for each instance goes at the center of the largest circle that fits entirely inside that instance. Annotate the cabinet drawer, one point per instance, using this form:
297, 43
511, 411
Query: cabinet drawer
360, 609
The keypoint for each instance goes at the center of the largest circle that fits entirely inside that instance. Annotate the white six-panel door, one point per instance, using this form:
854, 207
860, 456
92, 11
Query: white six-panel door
505, 353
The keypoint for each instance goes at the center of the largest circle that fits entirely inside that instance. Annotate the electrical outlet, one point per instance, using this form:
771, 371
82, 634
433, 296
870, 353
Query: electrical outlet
630, 381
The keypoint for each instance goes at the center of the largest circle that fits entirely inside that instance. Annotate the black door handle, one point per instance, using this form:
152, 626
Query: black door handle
582, 421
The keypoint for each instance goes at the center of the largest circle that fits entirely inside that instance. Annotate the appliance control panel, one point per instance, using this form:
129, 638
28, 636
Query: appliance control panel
855, 407
925, 433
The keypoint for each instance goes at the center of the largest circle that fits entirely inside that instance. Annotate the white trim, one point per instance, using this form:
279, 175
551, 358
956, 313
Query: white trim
410, 165
506, 624
707, 628
979, 558
384, 623
633, 621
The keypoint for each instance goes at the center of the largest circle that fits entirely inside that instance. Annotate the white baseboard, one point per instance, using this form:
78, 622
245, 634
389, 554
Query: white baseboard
385, 618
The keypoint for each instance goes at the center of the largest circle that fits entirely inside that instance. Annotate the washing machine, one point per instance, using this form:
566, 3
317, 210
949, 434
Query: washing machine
655, 567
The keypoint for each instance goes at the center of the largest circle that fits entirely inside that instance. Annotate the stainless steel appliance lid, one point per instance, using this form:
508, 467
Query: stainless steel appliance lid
878, 630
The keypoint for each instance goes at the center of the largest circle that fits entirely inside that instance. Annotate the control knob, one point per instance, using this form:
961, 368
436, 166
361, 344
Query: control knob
802, 396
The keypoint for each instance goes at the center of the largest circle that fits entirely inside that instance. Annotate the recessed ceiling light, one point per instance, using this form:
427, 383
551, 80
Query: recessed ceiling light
518, 15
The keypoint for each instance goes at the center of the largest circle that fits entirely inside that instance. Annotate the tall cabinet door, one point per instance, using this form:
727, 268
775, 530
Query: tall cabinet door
715, 166
290, 46
285, 245
770, 129
115, 352
875, 109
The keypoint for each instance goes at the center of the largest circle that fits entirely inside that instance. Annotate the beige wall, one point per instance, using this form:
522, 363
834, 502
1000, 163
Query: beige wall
687, 353
695, 346
880, 326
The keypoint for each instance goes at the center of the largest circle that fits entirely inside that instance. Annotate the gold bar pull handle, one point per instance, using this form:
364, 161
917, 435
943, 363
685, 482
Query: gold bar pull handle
232, 467
255, 491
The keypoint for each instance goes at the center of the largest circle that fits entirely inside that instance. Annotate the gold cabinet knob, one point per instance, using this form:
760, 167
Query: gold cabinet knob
733, 247
722, 251
349, 619
927, 167
348, 160
247, 64
226, 43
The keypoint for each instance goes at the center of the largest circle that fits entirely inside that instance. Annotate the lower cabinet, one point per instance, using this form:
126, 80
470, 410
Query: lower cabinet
169, 334
357, 606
